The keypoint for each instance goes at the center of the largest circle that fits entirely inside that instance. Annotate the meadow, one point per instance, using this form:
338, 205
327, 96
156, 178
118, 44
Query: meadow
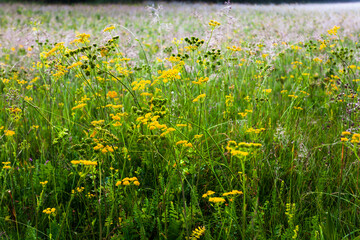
176, 121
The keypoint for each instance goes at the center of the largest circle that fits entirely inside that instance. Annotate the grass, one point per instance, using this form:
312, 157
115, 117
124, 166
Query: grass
126, 122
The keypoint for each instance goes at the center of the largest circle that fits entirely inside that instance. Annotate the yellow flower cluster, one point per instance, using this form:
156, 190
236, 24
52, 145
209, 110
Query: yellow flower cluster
9, 133
6, 165
57, 47
140, 85
127, 181
168, 130
355, 138
75, 65
184, 143
104, 149
109, 29
235, 149
169, 75
214, 23
249, 145
78, 189
257, 130
81, 38
217, 200
234, 48
44, 183
49, 211
201, 96
244, 114
99, 122
112, 94
198, 136
233, 192
81, 105
201, 80
84, 162
333, 31
208, 193
267, 90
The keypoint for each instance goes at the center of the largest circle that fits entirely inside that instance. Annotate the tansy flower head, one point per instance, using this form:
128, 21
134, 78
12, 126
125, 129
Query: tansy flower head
109, 28
217, 200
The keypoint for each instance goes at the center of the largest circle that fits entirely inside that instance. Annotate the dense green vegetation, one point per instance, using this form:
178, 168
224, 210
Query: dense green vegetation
244, 126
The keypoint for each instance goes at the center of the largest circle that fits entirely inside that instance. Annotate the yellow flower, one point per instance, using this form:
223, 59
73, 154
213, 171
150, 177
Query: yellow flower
267, 90
75, 65
49, 211
217, 200
201, 96
112, 94
44, 183
344, 139
208, 193
214, 23
9, 133
233, 192
345, 133
109, 28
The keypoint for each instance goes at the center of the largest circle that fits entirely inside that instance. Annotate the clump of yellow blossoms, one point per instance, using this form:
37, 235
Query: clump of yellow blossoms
184, 143
333, 31
49, 211
109, 29
214, 23
9, 133
6, 165
44, 183
208, 193
217, 200
84, 162
233, 192
355, 138
255, 130
75, 65
112, 94
201, 80
127, 181
201, 96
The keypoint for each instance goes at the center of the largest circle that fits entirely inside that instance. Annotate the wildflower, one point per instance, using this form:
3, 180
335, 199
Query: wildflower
49, 211
201, 96
267, 90
75, 65
109, 28
112, 94
214, 23
344, 139
345, 133
208, 193
9, 133
334, 30
44, 183
217, 200
79, 106
233, 192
